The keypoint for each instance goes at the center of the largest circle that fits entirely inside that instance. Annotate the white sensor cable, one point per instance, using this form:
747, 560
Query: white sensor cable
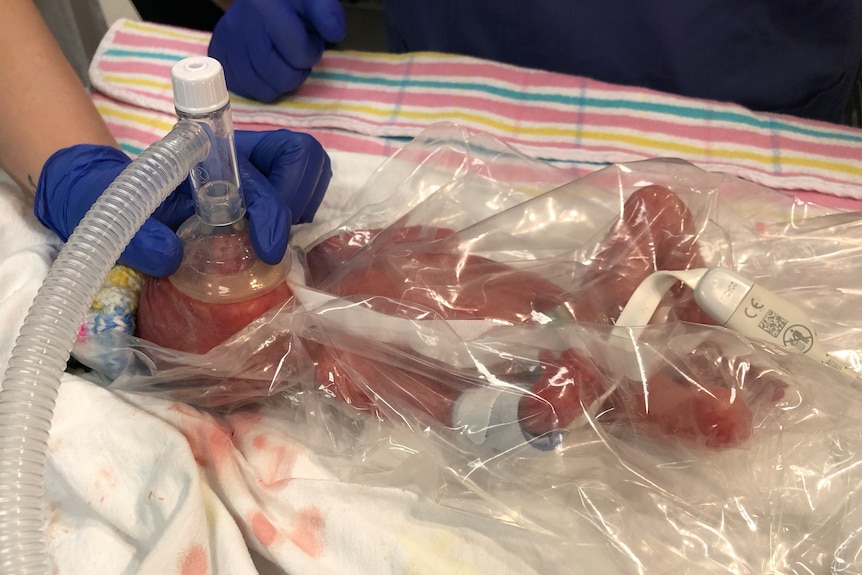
734, 302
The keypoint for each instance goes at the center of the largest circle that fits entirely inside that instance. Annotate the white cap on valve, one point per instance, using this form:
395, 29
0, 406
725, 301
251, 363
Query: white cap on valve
199, 85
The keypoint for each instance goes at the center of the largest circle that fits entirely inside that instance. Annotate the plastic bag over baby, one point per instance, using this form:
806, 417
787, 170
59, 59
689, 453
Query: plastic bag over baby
468, 311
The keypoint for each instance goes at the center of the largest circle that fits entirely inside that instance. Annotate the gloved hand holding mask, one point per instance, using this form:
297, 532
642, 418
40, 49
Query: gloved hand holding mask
284, 176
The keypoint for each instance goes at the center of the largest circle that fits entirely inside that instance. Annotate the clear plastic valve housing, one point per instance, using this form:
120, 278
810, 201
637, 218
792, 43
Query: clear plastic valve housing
200, 94
221, 285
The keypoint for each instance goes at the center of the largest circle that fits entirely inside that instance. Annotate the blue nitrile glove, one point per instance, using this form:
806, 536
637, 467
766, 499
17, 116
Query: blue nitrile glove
282, 173
284, 177
268, 47
73, 179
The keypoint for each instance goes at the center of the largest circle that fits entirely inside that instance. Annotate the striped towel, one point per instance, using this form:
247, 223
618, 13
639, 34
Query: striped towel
372, 103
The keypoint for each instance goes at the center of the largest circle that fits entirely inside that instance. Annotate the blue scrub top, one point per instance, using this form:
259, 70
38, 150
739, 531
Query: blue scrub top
799, 57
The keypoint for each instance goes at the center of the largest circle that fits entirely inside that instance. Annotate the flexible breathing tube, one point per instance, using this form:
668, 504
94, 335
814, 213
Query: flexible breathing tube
45, 340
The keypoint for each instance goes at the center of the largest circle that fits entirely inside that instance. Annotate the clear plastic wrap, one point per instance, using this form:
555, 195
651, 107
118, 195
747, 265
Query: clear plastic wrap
456, 335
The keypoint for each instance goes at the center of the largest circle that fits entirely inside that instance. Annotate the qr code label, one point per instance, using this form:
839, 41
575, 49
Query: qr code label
772, 323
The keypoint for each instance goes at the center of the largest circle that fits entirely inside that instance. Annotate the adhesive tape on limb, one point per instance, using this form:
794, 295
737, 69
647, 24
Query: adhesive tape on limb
489, 417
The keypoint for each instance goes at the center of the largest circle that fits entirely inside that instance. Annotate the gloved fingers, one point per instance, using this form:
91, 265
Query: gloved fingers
295, 164
71, 180
273, 75
154, 250
267, 48
243, 80
268, 216
326, 17
252, 66
177, 207
297, 182
241, 75
289, 35
319, 192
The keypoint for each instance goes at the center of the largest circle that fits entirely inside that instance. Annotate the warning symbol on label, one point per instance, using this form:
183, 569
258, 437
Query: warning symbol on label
799, 338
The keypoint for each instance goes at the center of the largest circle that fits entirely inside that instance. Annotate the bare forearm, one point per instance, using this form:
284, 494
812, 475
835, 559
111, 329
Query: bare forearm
43, 106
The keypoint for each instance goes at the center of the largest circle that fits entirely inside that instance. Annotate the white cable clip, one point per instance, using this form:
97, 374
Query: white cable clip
637, 313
